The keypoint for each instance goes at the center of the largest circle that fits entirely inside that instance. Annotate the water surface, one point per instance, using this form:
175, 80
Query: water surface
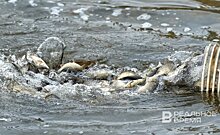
110, 32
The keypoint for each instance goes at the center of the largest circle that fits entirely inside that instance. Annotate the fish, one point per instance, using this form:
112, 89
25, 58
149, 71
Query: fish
36, 61
129, 76
72, 66
150, 85
134, 83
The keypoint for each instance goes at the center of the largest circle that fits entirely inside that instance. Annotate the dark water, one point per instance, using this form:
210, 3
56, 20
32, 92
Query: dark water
108, 31
125, 115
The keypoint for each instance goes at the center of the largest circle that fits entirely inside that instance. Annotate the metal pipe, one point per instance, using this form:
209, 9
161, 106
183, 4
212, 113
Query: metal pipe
215, 69
206, 52
210, 67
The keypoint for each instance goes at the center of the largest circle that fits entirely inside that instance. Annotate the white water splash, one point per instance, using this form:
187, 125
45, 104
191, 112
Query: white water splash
187, 29
60, 4
144, 16
5, 119
116, 12
31, 2
205, 27
56, 10
81, 12
164, 24
146, 25
12, 1
169, 29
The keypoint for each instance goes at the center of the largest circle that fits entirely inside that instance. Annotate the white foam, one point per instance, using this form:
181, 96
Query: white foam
187, 29
127, 8
12, 1
177, 18
84, 17
56, 10
81, 12
169, 29
164, 24
146, 25
5, 119
116, 12
60, 4
205, 27
144, 16
107, 21
31, 2
50, 1
107, 18
108, 9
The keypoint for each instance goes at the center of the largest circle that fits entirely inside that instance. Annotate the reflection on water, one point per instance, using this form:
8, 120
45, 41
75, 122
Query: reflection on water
213, 3
212, 99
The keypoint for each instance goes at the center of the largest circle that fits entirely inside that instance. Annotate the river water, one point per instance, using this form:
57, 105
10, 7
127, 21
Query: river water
118, 33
